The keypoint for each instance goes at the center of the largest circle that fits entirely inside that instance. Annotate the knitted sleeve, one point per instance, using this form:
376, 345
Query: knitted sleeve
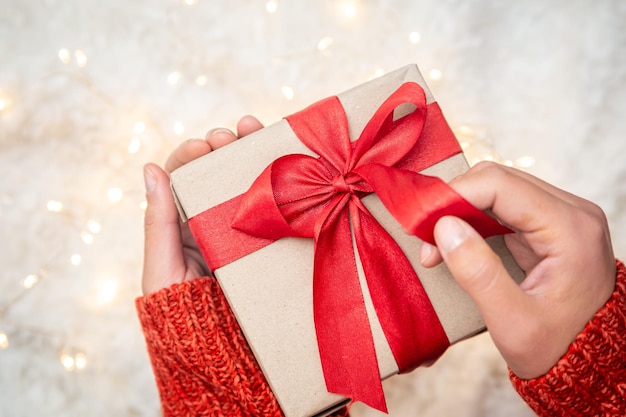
590, 379
201, 361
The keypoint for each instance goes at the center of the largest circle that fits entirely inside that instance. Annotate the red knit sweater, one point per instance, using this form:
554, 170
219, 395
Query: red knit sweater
203, 366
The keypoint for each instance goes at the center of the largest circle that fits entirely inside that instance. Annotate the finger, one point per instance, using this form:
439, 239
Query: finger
248, 124
479, 271
429, 255
163, 254
487, 168
517, 201
187, 152
219, 137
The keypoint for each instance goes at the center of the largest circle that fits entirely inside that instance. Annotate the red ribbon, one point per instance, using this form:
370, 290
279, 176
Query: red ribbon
304, 196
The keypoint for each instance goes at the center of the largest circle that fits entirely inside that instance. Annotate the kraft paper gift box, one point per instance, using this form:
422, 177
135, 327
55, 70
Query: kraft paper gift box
270, 286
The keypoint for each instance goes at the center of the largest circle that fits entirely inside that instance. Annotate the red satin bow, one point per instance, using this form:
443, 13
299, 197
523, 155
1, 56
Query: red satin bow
303, 196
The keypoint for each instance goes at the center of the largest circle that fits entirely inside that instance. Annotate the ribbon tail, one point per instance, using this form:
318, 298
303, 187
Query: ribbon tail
423, 200
345, 341
407, 317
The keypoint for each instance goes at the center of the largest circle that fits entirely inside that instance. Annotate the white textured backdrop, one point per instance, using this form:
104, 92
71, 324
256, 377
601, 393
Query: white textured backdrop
91, 90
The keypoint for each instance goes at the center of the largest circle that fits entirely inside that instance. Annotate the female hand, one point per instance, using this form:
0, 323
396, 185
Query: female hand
170, 253
562, 243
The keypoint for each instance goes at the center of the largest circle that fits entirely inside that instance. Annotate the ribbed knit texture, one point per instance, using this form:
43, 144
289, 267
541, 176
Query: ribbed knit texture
590, 379
202, 363
203, 366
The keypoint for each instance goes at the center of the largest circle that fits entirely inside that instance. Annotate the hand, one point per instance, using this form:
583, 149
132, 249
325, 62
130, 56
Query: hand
170, 253
562, 243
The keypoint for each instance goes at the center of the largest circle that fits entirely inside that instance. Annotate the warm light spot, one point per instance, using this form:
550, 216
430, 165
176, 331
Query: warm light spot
190, 2
115, 194
54, 206
287, 92
179, 128
271, 6
508, 163
378, 73
324, 43
80, 360
525, 161
30, 281
139, 127
107, 290
68, 362
65, 56
4, 340
143, 205
414, 37
201, 80
5, 101
435, 74
81, 58
173, 78
93, 226
76, 259
86, 237
134, 145
348, 8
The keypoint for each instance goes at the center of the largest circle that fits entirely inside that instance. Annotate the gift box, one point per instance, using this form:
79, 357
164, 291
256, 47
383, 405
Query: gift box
313, 227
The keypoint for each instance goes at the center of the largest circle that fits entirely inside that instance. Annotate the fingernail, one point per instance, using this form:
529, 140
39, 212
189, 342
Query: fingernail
426, 251
219, 130
451, 233
149, 179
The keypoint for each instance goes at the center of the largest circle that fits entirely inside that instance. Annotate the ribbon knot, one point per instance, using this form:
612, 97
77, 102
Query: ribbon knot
303, 196
340, 185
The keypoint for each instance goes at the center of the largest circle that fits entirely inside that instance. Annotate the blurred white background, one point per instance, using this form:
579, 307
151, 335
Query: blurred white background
91, 90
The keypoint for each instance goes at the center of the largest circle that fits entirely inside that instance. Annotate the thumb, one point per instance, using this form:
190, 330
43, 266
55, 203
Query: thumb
163, 254
479, 271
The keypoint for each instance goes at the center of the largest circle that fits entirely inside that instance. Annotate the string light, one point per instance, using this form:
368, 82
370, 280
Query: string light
5, 101
134, 145
201, 80
106, 290
76, 259
81, 58
414, 37
325, 43
173, 78
143, 205
93, 226
80, 361
139, 127
115, 194
86, 237
435, 74
4, 340
30, 281
287, 92
65, 56
377, 73
271, 6
525, 161
179, 128
190, 2
348, 8
54, 206
73, 360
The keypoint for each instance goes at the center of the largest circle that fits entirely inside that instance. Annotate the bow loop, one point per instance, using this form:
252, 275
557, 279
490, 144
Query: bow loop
319, 198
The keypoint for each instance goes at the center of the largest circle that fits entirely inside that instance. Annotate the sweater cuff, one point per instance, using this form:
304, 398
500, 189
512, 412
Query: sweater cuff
590, 379
201, 361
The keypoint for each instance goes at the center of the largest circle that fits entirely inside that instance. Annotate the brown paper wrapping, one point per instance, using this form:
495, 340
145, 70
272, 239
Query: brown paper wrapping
270, 290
